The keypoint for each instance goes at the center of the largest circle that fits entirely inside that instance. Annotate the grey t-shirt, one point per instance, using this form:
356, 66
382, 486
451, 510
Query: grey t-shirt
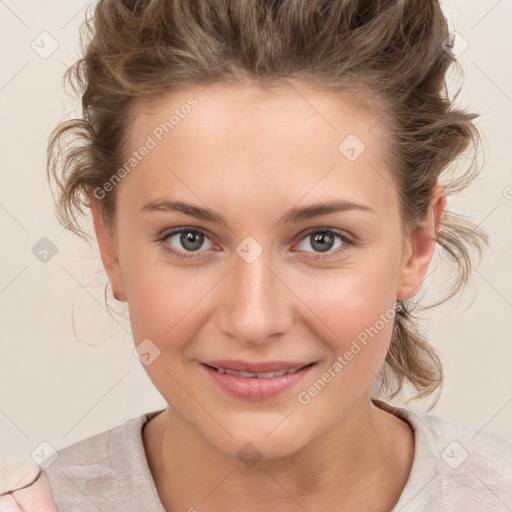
456, 467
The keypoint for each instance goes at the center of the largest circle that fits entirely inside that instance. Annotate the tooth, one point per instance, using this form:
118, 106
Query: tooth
263, 375
247, 374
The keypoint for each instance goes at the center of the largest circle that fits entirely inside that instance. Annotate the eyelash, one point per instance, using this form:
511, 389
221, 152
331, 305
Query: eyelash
346, 241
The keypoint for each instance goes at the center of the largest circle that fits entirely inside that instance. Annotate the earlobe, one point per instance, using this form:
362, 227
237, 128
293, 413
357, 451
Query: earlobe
108, 250
422, 246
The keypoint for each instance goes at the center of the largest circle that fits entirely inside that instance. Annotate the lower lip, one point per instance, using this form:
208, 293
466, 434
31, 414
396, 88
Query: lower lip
256, 388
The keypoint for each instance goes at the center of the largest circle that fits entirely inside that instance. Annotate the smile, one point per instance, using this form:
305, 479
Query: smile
256, 386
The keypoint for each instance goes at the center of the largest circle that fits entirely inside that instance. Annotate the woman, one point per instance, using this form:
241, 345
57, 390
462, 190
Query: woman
265, 180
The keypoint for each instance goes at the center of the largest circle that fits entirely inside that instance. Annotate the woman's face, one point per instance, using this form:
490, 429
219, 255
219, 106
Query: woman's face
252, 278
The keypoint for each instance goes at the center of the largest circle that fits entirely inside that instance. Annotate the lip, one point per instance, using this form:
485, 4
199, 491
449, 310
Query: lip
256, 388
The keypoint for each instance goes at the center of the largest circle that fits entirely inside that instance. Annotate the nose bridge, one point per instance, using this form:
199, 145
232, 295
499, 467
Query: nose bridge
255, 308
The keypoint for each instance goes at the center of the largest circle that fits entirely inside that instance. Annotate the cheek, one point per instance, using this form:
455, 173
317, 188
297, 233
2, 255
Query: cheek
354, 314
165, 306
169, 305
360, 331
359, 312
162, 301
348, 300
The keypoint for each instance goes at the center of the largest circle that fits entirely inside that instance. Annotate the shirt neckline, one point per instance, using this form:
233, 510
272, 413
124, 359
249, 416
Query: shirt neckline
424, 466
140, 491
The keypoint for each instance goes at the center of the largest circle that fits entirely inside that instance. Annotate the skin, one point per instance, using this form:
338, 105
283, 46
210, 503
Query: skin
251, 155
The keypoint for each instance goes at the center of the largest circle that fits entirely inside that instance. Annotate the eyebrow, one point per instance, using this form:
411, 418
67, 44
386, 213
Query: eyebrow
292, 215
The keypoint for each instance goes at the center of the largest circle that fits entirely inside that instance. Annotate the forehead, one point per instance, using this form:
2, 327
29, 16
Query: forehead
287, 140
287, 109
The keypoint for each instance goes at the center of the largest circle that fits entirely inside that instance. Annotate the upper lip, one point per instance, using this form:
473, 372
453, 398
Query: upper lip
266, 366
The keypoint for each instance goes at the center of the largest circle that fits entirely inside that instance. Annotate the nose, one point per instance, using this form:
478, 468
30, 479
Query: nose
257, 305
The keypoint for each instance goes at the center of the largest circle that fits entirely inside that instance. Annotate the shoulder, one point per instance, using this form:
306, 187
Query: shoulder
85, 472
474, 465
457, 467
92, 451
95, 472
478, 450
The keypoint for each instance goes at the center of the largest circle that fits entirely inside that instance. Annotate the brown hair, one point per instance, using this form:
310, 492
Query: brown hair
388, 53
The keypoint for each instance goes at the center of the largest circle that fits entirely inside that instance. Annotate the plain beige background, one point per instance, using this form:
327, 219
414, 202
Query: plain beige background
57, 390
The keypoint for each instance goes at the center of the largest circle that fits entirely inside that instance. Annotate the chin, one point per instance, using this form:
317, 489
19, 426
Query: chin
262, 440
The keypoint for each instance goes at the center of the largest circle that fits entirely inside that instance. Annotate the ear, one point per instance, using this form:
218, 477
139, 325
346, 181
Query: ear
421, 246
108, 250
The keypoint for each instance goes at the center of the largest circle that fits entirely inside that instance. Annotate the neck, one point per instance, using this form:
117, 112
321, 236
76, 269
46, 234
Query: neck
361, 464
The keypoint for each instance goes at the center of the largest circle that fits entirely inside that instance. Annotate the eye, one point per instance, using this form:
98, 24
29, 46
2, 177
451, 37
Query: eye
323, 241
185, 241
188, 240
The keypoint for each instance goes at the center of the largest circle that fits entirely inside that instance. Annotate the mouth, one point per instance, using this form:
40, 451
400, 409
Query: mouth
257, 385
260, 375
